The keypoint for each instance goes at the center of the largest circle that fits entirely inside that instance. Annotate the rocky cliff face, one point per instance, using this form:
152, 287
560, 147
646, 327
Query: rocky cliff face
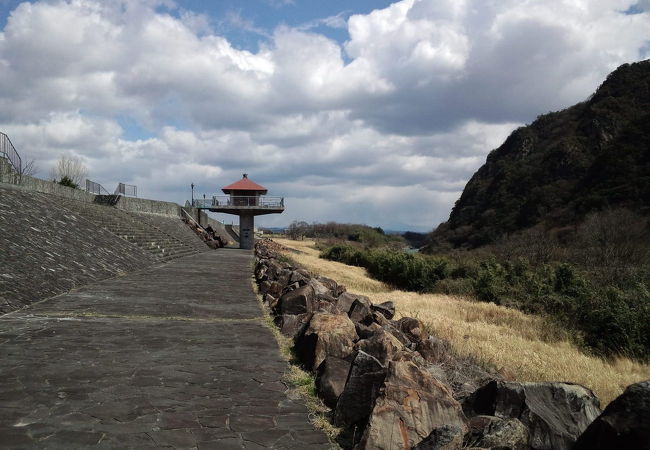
565, 164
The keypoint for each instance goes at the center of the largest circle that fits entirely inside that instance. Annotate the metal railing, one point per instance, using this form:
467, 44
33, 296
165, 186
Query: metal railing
8, 151
95, 188
240, 201
127, 190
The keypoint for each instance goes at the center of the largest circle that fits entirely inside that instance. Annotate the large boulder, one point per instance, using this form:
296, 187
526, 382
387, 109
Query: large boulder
300, 276
320, 289
292, 325
387, 309
326, 335
413, 329
360, 312
362, 388
330, 379
367, 331
410, 406
382, 345
554, 413
298, 301
335, 288
434, 350
625, 423
345, 300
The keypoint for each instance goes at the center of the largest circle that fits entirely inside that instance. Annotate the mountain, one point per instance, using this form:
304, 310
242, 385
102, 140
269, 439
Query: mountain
588, 157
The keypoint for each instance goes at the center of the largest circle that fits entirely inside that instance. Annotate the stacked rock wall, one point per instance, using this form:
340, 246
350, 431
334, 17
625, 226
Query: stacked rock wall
392, 385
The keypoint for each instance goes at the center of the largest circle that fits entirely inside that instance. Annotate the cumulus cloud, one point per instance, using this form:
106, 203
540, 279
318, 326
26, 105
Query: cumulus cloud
384, 128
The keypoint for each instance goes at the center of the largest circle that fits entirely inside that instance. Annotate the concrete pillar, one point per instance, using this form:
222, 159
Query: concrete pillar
246, 231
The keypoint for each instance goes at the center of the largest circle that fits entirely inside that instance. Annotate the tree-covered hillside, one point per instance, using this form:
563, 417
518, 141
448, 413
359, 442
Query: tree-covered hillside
588, 157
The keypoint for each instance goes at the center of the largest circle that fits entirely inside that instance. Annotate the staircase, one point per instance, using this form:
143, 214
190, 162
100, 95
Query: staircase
127, 226
232, 232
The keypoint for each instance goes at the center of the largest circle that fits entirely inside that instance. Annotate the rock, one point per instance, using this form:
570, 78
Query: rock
387, 309
299, 276
382, 345
328, 307
264, 286
325, 335
446, 437
345, 300
360, 312
506, 434
327, 298
397, 333
554, 413
275, 289
298, 301
319, 288
409, 407
333, 286
260, 270
270, 300
330, 379
283, 277
624, 424
361, 389
433, 349
367, 331
413, 329
272, 270
292, 325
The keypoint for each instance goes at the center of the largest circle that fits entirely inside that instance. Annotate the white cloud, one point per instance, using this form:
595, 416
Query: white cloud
372, 130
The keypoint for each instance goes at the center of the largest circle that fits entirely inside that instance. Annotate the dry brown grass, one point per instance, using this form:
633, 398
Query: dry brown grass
525, 345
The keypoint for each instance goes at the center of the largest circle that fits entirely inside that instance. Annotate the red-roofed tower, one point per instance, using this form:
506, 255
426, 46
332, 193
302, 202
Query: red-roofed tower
245, 199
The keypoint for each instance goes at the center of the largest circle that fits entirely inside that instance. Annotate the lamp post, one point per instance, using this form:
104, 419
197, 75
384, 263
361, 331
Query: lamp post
192, 186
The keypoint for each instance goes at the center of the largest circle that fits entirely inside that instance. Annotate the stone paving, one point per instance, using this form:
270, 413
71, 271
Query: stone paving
173, 356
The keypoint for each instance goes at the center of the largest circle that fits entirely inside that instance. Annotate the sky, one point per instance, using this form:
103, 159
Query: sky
360, 111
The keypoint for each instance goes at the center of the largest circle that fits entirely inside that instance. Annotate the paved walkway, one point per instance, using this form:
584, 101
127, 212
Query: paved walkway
173, 356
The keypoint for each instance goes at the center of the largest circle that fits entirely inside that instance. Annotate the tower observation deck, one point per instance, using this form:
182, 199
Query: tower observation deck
246, 199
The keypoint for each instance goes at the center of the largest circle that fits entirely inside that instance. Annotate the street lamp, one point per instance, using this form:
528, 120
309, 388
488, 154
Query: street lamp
192, 186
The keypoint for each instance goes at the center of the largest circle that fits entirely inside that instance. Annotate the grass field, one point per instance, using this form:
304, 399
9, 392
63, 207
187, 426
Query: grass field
527, 346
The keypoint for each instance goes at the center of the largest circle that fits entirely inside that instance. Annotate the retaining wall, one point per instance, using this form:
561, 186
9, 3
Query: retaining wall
148, 206
46, 250
50, 187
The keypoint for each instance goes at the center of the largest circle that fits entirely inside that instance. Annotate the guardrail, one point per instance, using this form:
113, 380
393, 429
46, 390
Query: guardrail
8, 151
95, 188
127, 190
239, 201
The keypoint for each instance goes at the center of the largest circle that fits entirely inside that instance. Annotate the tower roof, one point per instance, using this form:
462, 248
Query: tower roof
244, 185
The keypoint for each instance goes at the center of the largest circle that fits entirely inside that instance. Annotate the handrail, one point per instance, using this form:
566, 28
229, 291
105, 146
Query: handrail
192, 218
95, 188
232, 201
128, 190
9, 151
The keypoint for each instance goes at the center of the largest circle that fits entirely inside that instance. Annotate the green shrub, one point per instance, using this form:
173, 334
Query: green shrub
608, 320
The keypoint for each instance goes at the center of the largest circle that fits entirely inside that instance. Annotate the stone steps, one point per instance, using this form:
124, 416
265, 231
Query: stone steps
137, 232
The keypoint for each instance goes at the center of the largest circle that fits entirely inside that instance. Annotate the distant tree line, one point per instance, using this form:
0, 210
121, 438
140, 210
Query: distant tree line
362, 234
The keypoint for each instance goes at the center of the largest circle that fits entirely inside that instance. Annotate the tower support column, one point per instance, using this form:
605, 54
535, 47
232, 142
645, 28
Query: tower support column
246, 231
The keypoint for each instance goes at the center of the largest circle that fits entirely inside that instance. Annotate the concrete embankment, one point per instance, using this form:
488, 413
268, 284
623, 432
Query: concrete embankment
46, 250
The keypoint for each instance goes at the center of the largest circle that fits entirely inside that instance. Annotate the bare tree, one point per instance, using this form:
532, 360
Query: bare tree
30, 168
69, 170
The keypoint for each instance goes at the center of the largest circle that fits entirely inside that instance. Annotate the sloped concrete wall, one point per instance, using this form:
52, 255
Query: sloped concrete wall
144, 205
49, 187
46, 250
